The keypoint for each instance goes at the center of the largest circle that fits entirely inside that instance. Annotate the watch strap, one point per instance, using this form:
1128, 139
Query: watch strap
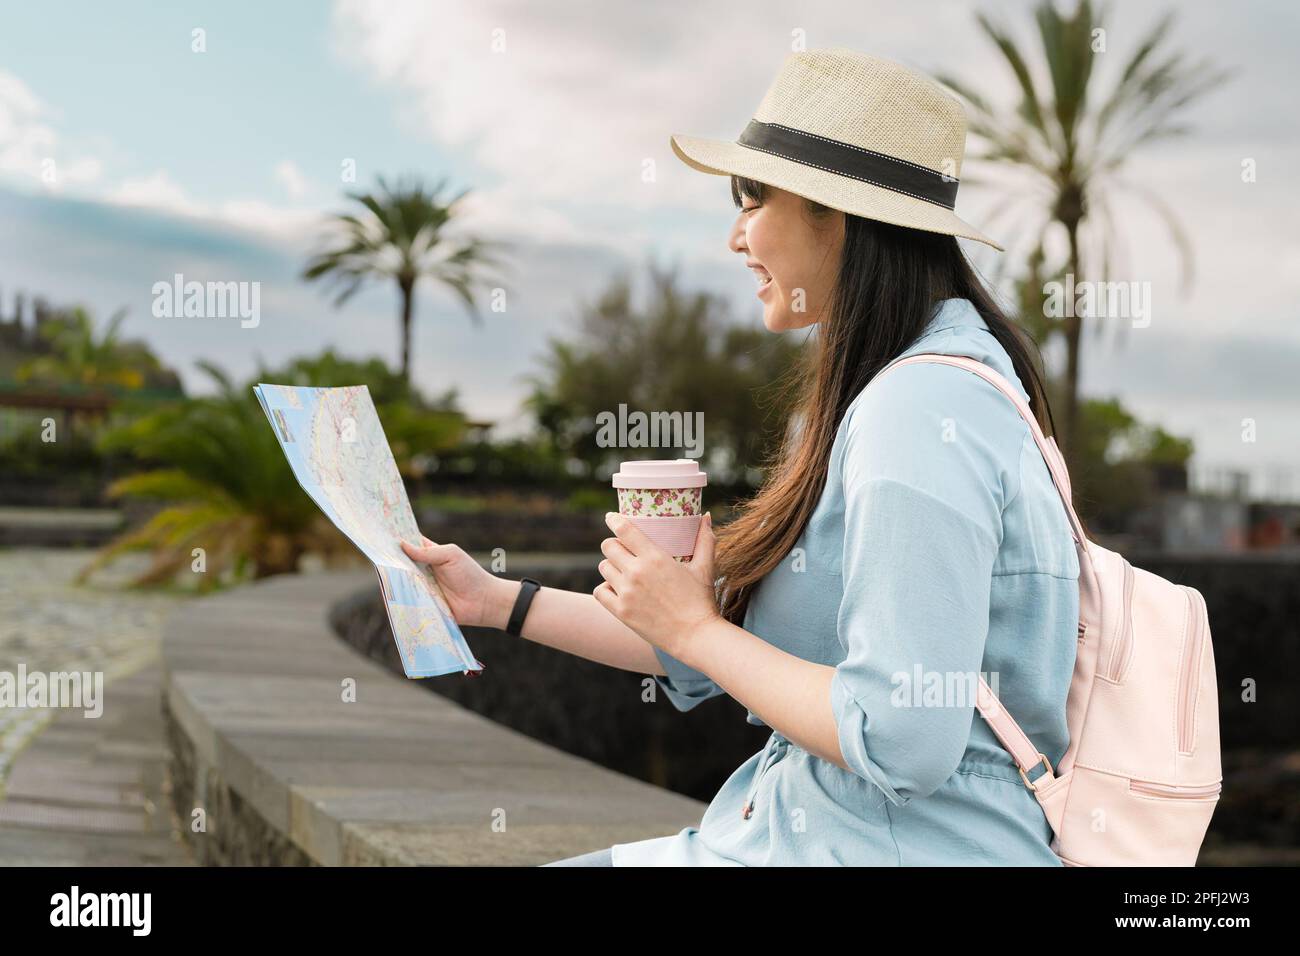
528, 588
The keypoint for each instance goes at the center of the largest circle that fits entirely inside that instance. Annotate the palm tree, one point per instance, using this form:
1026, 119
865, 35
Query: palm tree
227, 489
399, 234
81, 356
1074, 140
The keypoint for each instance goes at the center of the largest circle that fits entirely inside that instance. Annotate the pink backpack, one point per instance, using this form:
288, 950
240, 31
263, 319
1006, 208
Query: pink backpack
1141, 775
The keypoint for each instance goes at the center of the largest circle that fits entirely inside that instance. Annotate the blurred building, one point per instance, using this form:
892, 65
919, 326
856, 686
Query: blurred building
1220, 512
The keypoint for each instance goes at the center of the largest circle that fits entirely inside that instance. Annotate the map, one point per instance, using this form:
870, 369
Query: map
337, 449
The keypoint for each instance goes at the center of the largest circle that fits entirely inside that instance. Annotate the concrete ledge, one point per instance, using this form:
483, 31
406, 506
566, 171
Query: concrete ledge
286, 772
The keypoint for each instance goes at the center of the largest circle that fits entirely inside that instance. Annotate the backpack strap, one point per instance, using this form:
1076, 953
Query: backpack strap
1047, 446
1000, 721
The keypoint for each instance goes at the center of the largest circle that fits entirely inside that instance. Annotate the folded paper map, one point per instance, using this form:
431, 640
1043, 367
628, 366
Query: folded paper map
337, 449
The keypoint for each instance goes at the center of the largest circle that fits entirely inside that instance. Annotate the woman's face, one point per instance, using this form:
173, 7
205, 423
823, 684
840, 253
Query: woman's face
794, 254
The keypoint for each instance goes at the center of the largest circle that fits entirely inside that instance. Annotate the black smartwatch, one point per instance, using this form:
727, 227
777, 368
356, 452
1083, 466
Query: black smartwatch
527, 588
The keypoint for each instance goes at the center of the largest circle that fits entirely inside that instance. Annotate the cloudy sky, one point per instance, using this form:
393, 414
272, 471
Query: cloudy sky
127, 156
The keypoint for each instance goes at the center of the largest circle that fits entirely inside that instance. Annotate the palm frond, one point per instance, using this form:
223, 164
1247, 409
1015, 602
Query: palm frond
1030, 108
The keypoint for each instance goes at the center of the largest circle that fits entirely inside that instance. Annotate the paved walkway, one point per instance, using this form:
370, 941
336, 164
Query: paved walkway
75, 790
50, 624
89, 792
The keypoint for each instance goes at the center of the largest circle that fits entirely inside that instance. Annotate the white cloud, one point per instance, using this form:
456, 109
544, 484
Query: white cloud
15, 100
30, 152
159, 192
29, 145
571, 109
87, 169
294, 224
291, 178
155, 191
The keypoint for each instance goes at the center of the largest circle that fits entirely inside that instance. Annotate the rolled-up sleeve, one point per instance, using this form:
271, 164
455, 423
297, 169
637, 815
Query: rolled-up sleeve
930, 460
684, 685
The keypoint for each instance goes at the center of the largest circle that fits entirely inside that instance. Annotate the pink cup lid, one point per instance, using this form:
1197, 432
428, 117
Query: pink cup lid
682, 473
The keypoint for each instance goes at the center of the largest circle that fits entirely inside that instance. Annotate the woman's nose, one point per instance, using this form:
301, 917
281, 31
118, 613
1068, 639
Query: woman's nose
736, 241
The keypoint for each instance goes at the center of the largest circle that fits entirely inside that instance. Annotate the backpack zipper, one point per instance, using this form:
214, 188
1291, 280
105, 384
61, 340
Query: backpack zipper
1203, 792
1123, 646
1189, 674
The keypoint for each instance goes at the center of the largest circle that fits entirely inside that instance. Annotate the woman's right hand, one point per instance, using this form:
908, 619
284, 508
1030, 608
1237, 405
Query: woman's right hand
477, 598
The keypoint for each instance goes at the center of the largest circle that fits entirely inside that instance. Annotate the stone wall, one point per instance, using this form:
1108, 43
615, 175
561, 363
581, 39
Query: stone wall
1254, 607
299, 750
232, 832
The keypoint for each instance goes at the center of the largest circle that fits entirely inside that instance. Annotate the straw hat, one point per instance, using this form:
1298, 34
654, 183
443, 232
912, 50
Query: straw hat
856, 133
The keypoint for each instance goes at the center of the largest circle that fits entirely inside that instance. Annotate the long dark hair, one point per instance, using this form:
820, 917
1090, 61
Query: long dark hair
890, 278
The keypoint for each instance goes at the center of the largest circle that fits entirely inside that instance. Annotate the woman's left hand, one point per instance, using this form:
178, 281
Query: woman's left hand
663, 600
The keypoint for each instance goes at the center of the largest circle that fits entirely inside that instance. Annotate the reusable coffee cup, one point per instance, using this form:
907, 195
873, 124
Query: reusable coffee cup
663, 499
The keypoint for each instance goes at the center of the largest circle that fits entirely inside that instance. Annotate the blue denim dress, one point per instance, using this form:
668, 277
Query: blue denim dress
939, 551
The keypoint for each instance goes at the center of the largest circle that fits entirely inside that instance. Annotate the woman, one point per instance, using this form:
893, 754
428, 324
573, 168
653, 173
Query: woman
907, 541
